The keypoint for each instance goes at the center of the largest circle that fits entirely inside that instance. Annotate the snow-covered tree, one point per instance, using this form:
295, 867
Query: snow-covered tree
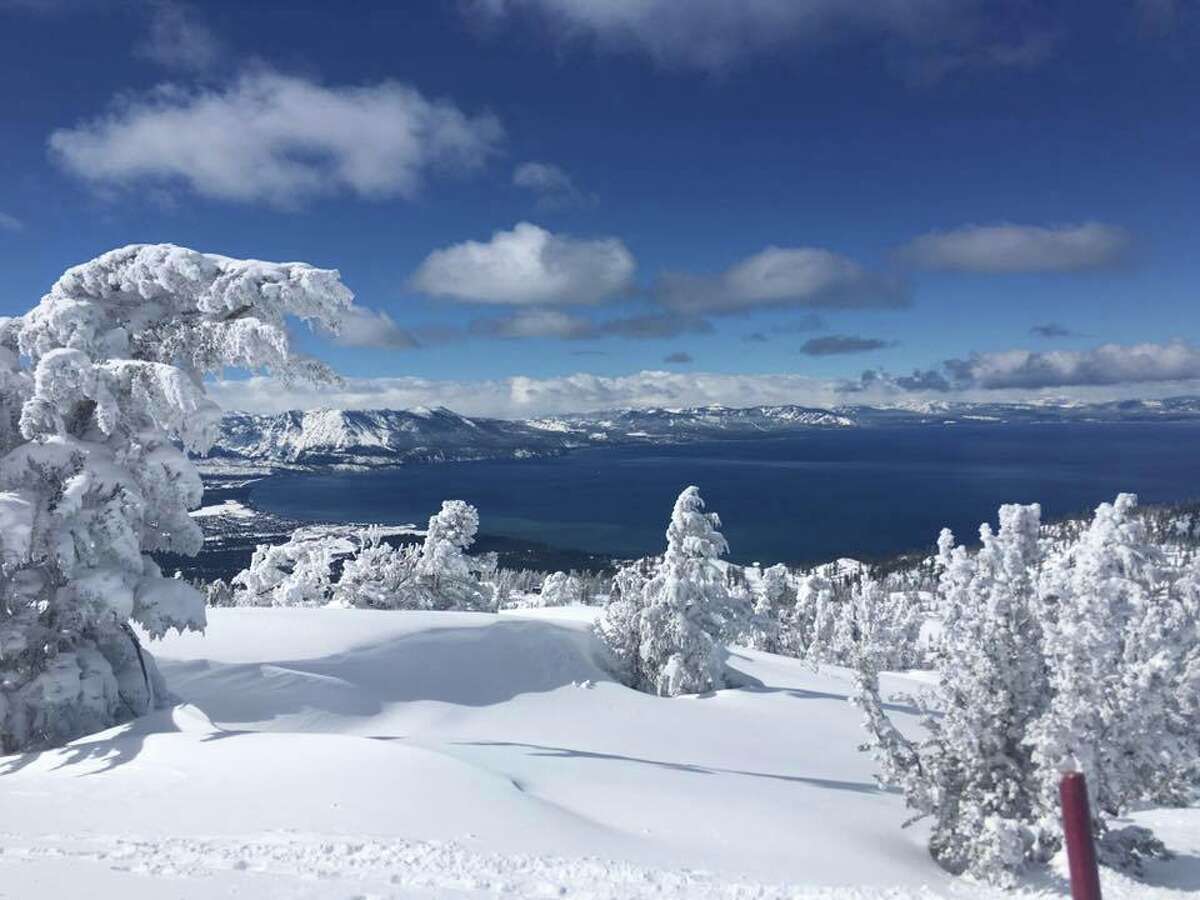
378, 575
871, 623
1079, 653
296, 573
444, 569
1119, 644
774, 597
681, 611
561, 589
810, 623
101, 394
972, 773
619, 626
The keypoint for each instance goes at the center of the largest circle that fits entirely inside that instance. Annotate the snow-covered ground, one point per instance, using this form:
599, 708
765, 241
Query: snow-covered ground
350, 753
231, 508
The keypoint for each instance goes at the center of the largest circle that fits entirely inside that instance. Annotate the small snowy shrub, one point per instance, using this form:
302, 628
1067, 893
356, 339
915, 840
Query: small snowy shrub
101, 394
437, 575
378, 575
295, 573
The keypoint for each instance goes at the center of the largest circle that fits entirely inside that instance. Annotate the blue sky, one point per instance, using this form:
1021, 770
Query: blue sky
764, 199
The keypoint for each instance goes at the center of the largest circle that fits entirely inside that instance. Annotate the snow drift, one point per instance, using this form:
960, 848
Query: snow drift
331, 753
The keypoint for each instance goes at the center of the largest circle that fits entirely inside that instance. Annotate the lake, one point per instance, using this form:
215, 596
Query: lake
807, 497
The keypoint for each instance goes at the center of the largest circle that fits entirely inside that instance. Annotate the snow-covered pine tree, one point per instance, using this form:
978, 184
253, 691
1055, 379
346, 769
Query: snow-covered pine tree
686, 606
443, 570
559, 589
808, 626
1119, 644
974, 771
773, 602
619, 626
101, 394
874, 624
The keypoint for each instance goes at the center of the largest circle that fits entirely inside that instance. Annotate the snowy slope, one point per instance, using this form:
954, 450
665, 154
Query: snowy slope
340, 753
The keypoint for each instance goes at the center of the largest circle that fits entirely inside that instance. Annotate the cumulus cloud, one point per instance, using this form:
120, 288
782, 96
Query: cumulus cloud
678, 358
554, 323
1105, 365
528, 266
177, 39
278, 139
536, 323
714, 35
521, 396
363, 327
840, 344
554, 188
10, 223
780, 277
1109, 365
1019, 248
1106, 373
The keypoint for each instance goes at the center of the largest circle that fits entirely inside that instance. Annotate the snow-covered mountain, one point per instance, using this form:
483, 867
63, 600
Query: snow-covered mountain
389, 436
384, 437
379, 437
1043, 411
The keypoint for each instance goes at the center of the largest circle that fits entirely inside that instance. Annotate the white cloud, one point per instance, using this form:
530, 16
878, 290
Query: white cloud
1108, 373
1129, 367
363, 327
536, 323
1019, 248
528, 265
1105, 365
554, 323
554, 188
782, 276
10, 223
521, 396
717, 34
544, 178
177, 39
278, 139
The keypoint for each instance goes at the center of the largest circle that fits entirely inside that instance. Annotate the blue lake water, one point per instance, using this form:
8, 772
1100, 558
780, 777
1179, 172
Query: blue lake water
801, 498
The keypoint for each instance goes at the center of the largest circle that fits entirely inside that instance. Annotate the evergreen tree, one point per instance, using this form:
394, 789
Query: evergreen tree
101, 394
686, 605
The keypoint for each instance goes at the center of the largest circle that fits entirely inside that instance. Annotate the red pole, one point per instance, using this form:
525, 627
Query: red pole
1077, 827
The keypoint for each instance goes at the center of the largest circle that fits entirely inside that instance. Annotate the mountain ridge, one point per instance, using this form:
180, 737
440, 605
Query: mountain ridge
322, 438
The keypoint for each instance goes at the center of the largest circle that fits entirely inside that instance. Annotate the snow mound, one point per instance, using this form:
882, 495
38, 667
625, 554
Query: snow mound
333, 753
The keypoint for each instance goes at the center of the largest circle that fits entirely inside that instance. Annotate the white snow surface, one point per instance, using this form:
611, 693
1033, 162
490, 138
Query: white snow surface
353, 753
232, 509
